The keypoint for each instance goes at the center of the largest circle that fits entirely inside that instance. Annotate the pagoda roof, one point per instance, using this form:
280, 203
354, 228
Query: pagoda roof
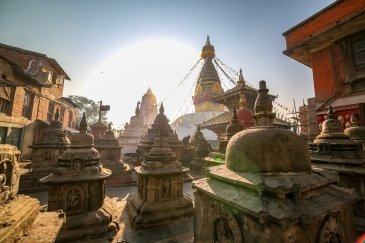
225, 118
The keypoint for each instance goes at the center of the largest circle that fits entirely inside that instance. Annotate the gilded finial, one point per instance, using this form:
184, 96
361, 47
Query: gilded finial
162, 109
83, 124
208, 40
57, 115
241, 80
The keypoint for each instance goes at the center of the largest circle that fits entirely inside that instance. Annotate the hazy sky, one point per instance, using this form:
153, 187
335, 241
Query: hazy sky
114, 50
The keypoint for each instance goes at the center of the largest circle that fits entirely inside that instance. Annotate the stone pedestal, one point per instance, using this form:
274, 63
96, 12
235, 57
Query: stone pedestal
21, 219
160, 199
77, 186
45, 152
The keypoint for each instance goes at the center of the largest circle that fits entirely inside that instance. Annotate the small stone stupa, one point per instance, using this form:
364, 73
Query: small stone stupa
201, 151
20, 217
132, 134
336, 151
77, 186
268, 192
160, 198
45, 151
355, 131
110, 157
161, 127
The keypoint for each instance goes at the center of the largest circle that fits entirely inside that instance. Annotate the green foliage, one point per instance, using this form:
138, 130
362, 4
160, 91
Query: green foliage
91, 109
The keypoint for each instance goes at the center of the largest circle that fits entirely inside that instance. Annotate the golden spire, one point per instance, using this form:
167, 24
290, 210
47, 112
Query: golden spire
208, 50
241, 84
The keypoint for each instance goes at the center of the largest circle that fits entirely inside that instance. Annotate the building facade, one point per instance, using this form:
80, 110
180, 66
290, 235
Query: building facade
332, 44
31, 92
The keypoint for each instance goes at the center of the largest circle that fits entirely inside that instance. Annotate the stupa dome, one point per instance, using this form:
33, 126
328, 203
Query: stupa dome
264, 148
356, 131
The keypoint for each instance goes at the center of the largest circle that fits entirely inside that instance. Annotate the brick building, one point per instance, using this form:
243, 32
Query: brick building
332, 44
30, 93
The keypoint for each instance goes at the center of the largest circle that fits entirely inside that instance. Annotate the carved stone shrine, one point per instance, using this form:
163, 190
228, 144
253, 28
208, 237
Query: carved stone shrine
110, 157
160, 199
77, 186
160, 128
268, 192
45, 152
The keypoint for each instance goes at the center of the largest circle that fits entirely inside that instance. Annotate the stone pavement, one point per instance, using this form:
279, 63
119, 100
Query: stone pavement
181, 231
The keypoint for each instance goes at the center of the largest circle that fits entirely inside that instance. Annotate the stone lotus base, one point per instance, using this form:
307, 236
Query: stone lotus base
150, 214
22, 221
95, 224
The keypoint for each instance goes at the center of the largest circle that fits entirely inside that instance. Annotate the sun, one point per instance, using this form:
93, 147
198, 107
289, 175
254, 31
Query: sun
122, 79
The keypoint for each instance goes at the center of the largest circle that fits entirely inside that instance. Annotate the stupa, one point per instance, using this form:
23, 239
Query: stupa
355, 131
110, 157
148, 108
160, 198
133, 132
160, 127
208, 86
77, 186
268, 192
21, 219
336, 151
45, 152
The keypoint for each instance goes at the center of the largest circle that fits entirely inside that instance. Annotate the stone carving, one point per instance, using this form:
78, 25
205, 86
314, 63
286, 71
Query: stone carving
73, 198
166, 188
331, 232
34, 67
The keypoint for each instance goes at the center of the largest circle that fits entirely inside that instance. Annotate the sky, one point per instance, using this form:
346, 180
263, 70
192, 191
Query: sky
114, 50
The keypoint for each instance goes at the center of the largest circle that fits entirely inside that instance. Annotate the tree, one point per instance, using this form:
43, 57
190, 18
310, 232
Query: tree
91, 109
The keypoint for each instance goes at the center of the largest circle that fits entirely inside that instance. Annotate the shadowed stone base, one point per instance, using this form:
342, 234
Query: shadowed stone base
198, 165
21, 221
120, 178
92, 225
145, 214
29, 182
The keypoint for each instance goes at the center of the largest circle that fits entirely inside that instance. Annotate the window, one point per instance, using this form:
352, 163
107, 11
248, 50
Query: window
62, 113
70, 116
355, 52
6, 94
28, 105
59, 79
50, 111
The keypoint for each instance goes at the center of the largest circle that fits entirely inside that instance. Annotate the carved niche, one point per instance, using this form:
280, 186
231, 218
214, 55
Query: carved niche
166, 188
331, 231
73, 199
9, 176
